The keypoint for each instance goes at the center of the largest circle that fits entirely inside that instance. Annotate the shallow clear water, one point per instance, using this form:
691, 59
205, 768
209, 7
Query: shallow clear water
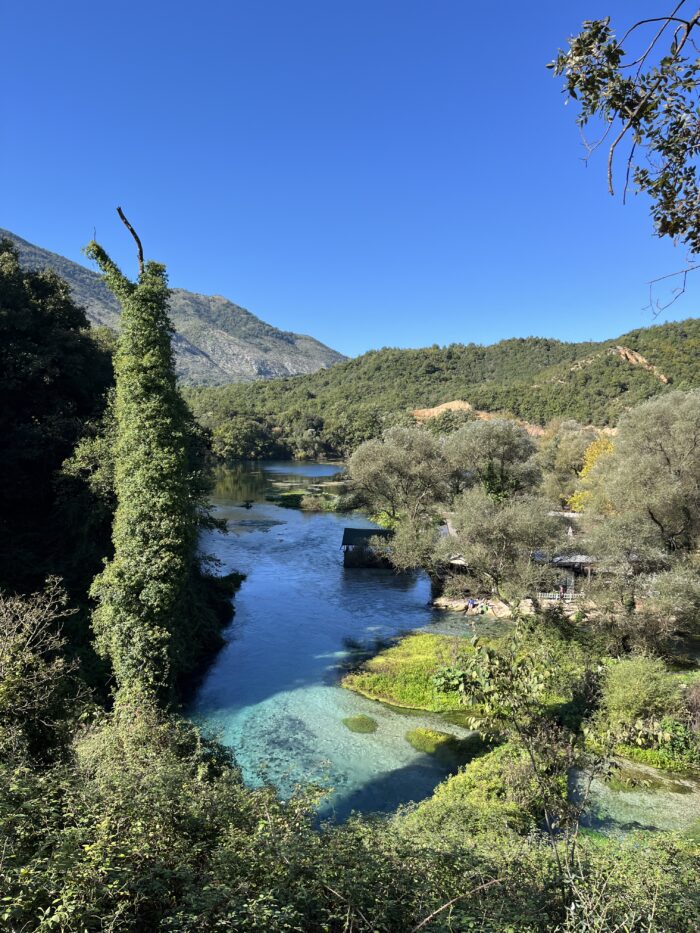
271, 694
641, 798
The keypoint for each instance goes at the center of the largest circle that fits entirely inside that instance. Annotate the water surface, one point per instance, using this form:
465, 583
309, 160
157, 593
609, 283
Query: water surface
272, 693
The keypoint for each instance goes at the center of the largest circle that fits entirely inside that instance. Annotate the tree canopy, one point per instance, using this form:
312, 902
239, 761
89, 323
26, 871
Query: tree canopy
639, 87
54, 376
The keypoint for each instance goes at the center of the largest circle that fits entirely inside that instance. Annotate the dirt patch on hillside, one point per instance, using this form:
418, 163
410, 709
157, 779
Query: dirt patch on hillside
425, 414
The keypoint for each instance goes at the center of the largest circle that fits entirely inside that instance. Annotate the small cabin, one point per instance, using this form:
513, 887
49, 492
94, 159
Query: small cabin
576, 564
357, 548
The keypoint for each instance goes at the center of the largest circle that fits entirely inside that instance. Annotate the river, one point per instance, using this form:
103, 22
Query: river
272, 695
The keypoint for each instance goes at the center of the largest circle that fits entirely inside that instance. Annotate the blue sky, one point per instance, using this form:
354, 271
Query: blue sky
375, 172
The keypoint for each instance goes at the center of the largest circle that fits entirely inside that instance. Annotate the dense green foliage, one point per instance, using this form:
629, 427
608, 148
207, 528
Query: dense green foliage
153, 604
141, 593
331, 412
54, 375
505, 542
120, 816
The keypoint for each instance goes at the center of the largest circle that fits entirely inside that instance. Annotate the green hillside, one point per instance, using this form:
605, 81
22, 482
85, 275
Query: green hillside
535, 379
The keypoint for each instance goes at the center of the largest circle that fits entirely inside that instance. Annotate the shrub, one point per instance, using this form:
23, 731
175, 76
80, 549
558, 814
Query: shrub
637, 688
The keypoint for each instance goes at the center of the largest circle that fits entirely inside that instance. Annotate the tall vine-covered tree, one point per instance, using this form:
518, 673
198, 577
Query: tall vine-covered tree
142, 593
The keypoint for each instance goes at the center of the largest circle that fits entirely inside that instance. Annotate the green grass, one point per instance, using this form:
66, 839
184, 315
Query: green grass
492, 794
430, 741
661, 758
402, 675
360, 724
321, 502
445, 746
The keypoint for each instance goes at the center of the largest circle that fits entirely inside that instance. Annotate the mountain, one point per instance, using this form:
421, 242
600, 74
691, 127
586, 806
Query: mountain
216, 341
533, 379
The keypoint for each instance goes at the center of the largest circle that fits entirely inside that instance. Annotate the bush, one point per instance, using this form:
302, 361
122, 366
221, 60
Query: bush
494, 793
637, 688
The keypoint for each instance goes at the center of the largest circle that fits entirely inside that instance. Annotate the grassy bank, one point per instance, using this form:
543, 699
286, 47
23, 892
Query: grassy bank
402, 674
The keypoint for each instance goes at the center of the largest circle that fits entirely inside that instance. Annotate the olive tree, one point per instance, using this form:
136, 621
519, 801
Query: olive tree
496, 453
403, 473
642, 522
561, 457
653, 470
506, 544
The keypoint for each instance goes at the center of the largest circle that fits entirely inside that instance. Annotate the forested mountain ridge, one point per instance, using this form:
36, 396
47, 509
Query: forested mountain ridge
534, 379
216, 341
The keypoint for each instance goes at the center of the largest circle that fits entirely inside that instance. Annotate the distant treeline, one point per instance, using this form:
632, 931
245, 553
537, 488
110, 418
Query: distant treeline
331, 412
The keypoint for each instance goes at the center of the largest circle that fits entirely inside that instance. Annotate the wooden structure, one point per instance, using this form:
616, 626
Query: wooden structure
357, 548
575, 565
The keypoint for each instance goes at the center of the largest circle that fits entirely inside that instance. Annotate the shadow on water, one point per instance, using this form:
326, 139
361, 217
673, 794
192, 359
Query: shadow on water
388, 791
651, 801
357, 652
409, 784
364, 578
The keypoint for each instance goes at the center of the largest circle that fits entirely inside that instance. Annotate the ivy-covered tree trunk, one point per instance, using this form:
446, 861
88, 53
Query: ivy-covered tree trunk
142, 593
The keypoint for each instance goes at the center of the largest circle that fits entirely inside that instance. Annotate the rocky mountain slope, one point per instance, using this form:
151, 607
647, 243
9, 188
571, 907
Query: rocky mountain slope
216, 341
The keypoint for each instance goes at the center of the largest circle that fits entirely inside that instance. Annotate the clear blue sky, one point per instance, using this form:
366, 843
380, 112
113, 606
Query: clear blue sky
374, 172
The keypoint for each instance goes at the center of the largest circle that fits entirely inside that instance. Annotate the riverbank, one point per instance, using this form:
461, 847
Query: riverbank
401, 675
656, 788
272, 693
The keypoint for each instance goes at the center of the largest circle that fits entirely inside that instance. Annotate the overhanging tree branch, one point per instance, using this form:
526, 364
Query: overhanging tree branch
689, 25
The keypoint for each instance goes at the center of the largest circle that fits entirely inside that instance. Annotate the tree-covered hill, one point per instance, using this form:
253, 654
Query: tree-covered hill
533, 378
216, 341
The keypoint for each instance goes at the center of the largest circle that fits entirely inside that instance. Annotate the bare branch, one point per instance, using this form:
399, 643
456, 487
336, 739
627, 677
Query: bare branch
671, 18
627, 173
135, 236
655, 305
481, 887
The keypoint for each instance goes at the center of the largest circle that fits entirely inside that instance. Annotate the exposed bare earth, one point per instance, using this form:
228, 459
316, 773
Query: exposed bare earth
629, 356
425, 414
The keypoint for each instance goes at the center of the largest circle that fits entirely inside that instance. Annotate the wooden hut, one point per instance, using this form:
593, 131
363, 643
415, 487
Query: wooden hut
358, 550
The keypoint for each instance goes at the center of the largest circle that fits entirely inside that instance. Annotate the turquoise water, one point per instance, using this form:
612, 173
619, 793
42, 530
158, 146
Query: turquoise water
271, 694
642, 798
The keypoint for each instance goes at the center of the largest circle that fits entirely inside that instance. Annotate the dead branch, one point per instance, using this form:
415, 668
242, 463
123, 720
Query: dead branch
135, 236
481, 887
655, 305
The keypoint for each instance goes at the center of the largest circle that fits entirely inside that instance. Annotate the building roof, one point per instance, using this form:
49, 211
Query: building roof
356, 537
570, 560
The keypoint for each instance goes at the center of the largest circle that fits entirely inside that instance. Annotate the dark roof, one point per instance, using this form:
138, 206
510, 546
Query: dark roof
573, 560
352, 537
